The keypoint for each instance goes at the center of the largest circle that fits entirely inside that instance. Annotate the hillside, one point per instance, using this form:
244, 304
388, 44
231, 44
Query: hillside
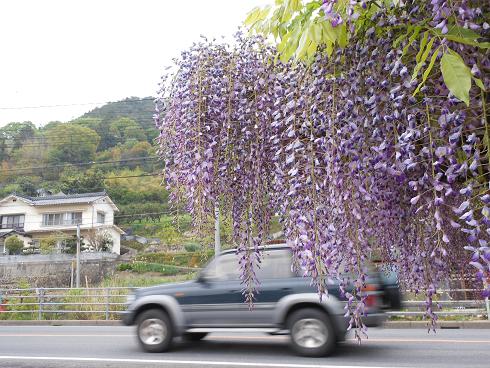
140, 110
110, 148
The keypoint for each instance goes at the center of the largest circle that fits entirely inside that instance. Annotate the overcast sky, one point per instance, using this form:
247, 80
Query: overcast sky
77, 52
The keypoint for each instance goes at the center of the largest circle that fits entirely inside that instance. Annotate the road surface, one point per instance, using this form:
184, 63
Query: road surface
115, 347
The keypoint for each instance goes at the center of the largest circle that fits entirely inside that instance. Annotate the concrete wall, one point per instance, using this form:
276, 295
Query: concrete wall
54, 270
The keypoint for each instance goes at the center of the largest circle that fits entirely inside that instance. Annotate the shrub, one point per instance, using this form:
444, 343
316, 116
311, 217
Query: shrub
48, 245
142, 267
196, 259
14, 245
124, 267
192, 247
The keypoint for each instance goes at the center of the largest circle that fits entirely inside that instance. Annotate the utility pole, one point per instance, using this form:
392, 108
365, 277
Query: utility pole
217, 239
78, 257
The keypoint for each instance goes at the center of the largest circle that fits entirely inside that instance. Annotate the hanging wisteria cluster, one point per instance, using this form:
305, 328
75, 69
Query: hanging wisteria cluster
363, 151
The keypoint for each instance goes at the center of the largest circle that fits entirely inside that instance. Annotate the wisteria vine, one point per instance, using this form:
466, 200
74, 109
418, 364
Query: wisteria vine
362, 151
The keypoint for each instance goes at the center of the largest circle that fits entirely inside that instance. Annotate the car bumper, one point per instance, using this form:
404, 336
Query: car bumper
375, 319
127, 318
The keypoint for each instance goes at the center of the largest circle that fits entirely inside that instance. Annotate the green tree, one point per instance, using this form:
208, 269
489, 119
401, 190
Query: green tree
51, 125
14, 245
137, 150
27, 185
15, 133
107, 139
124, 129
138, 109
72, 180
71, 143
48, 245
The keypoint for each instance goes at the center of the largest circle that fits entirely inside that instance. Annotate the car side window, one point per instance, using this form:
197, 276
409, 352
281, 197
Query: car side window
276, 264
223, 268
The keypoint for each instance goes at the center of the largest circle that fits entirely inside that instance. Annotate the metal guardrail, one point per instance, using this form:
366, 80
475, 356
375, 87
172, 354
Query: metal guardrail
109, 302
54, 303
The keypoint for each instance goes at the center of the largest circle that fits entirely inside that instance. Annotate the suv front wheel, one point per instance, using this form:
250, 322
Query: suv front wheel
154, 331
312, 333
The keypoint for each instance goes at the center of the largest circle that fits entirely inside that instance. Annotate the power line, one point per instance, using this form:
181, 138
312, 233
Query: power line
147, 214
132, 176
48, 142
53, 134
77, 104
82, 164
115, 216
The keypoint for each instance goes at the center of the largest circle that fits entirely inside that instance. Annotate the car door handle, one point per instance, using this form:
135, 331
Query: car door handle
286, 289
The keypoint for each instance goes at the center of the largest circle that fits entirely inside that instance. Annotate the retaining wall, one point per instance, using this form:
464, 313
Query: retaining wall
54, 270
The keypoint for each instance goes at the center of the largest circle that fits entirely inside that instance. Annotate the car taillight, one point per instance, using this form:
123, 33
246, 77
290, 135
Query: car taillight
372, 297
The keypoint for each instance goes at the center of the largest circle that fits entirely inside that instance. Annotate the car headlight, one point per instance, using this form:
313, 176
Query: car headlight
130, 298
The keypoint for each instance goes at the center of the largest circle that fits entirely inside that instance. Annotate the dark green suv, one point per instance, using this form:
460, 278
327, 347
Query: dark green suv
286, 304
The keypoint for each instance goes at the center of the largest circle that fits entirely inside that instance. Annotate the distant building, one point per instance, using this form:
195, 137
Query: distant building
35, 218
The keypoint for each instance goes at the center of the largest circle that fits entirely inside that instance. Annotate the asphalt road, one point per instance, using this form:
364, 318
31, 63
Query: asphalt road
87, 347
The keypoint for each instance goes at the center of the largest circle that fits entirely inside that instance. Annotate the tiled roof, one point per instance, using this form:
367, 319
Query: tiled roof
64, 198
5, 232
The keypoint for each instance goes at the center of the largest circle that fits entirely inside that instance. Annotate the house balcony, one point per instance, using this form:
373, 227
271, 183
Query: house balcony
17, 227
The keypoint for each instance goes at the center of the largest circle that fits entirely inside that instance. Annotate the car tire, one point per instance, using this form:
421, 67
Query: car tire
154, 331
312, 333
194, 336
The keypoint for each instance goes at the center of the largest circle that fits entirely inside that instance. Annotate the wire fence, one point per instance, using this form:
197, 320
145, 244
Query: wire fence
109, 302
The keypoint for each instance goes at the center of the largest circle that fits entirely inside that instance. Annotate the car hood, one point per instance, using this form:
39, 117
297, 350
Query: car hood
163, 289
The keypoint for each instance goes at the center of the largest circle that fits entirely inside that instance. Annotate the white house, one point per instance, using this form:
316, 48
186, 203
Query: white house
35, 218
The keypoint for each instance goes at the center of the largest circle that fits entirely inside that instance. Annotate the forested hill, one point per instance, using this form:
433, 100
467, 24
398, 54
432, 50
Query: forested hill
140, 110
110, 148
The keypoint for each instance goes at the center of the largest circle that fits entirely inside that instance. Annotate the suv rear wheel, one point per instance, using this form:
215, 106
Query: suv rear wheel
154, 331
312, 333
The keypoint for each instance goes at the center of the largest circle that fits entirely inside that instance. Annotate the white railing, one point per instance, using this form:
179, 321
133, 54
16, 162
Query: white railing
108, 303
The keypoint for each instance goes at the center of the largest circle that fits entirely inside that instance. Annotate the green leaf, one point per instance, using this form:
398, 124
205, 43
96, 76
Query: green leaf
398, 40
422, 59
411, 39
403, 36
342, 35
423, 42
428, 70
252, 16
466, 33
328, 32
310, 52
329, 48
281, 47
479, 83
316, 33
457, 76
304, 42
462, 35
295, 5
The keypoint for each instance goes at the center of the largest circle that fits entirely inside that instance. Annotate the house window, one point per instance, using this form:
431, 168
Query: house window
13, 221
100, 217
60, 219
52, 219
74, 218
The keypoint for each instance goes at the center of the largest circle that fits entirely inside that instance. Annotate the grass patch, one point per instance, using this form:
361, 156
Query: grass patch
143, 267
186, 259
128, 279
